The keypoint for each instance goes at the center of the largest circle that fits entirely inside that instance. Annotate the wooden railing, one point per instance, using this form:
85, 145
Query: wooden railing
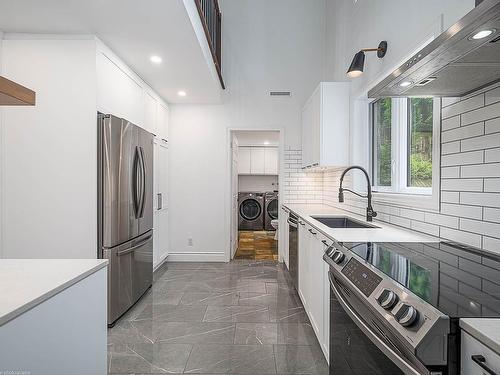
211, 18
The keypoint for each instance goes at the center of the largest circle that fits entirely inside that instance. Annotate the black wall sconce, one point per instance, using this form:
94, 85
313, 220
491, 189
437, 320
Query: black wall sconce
358, 62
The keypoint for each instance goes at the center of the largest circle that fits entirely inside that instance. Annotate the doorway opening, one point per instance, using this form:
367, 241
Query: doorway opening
255, 167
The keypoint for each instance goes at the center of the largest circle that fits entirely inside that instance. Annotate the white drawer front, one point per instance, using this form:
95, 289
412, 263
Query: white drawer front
470, 347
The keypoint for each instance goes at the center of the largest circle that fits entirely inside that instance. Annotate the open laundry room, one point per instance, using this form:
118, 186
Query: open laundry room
255, 194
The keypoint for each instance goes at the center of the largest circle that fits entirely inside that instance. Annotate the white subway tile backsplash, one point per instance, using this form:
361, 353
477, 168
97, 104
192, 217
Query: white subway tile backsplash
492, 155
461, 184
450, 172
445, 102
492, 126
471, 239
450, 148
481, 114
443, 220
491, 214
451, 123
492, 185
463, 106
461, 210
463, 132
480, 199
491, 244
412, 214
450, 197
481, 143
481, 170
492, 96
480, 227
431, 229
464, 158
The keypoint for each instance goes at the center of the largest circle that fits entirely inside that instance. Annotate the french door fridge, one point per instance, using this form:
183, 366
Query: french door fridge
125, 210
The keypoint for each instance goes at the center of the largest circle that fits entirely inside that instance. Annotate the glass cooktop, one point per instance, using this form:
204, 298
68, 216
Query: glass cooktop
458, 280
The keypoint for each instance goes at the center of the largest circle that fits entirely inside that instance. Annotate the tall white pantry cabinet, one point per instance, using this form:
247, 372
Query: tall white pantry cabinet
49, 151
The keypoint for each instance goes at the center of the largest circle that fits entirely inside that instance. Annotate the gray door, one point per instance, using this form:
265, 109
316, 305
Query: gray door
120, 163
145, 143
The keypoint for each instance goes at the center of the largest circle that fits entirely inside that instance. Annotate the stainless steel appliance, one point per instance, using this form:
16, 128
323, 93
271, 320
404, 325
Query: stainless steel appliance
461, 60
125, 210
251, 211
293, 248
395, 307
270, 209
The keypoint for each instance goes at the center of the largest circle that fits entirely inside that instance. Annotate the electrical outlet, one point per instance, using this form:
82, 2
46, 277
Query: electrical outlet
190, 242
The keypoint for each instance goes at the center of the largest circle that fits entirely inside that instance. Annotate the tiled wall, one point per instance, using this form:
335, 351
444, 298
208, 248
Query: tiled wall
300, 186
470, 177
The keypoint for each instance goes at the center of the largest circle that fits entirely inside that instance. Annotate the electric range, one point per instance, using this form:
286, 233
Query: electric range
395, 307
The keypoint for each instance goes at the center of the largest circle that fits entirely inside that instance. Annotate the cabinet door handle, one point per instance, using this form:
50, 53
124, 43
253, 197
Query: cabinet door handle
302, 223
311, 231
481, 362
160, 201
325, 242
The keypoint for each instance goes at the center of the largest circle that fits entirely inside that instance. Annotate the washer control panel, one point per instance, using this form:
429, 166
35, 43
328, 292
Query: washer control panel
362, 277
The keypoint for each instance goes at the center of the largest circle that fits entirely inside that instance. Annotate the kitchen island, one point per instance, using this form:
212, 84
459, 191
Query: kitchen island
53, 316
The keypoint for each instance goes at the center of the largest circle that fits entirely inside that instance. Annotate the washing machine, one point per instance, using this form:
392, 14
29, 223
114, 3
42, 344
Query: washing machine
251, 211
270, 209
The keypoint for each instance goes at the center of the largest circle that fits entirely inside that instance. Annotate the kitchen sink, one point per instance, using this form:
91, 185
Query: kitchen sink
342, 222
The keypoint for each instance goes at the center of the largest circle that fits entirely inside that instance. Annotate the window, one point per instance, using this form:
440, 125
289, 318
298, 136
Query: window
404, 143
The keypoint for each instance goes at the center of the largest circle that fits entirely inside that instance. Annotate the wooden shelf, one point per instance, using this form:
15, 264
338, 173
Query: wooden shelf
12, 93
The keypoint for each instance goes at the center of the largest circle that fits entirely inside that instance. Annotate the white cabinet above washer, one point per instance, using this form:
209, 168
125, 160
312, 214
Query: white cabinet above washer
254, 160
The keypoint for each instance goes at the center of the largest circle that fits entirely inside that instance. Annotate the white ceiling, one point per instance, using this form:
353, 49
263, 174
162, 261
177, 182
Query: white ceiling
134, 30
257, 137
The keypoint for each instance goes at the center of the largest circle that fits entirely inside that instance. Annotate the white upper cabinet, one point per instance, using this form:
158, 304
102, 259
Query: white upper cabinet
161, 129
325, 126
117, 92
150, 115
257, 160
122, 94
271, 160
244, 160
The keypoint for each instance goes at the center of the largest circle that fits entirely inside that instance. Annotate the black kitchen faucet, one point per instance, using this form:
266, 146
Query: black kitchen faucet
370, 214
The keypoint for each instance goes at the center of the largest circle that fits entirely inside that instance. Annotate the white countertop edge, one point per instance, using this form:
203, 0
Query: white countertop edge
52, 292
399, 234
485, 330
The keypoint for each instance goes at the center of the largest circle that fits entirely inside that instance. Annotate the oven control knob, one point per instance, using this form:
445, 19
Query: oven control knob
387, 299
338, 257
407, 315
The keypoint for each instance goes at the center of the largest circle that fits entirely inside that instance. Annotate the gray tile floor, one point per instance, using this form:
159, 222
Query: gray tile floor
242, 317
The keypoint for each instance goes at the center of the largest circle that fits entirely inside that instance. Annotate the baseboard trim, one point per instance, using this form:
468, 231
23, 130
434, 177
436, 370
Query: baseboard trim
197, 257
161, 262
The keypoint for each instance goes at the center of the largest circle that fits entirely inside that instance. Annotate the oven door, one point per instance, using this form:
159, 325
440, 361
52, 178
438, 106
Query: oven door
355, 348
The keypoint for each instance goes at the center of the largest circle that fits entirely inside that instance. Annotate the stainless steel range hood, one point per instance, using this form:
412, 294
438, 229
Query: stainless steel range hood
454, 64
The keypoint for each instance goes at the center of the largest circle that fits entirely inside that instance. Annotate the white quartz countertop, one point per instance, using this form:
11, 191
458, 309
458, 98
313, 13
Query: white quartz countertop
485, 330
384, 232
25, 283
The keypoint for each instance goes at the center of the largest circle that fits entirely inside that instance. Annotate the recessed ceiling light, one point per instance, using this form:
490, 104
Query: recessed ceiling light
181, 93
405, 83
483, 34
156, 59
266, 142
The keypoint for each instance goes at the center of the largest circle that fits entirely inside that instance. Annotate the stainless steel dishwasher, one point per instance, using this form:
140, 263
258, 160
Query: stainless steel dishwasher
293, 248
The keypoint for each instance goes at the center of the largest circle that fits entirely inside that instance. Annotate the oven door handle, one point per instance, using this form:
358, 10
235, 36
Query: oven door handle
292, 223
387, 350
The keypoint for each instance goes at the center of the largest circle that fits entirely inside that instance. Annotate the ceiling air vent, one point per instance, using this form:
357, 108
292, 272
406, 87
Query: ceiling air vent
280, 93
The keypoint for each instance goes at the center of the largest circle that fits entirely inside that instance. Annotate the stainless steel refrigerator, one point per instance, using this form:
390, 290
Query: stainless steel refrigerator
125, 210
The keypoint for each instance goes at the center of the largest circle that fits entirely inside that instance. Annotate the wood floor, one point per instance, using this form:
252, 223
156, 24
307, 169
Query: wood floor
257, 245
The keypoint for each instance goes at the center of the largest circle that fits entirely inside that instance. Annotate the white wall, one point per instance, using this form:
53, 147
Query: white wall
266, 46
48, 156
257, 183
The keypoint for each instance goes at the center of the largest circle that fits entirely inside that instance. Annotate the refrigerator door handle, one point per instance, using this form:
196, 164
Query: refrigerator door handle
142, 182
130, 249
135, 183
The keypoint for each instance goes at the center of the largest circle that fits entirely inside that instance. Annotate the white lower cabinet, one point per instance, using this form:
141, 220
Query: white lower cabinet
313, 282
283, 235
473, 351
160, 206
